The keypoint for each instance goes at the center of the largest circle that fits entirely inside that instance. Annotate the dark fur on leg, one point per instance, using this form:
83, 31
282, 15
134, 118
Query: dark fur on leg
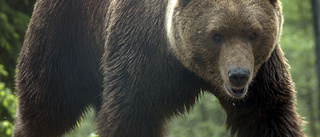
58, 71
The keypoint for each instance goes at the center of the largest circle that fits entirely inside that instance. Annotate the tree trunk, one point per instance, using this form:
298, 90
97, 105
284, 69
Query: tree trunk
315, 11
312, 122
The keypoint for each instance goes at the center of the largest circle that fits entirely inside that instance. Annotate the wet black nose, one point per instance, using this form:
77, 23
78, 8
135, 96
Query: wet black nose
238, 77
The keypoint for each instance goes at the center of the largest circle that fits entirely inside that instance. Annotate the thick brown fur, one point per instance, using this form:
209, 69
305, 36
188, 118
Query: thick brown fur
152, 59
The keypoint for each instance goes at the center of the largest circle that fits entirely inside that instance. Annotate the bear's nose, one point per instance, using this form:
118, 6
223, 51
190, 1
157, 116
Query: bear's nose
238, 77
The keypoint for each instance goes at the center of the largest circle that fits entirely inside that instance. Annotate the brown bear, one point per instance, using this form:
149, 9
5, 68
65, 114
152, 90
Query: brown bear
140, 62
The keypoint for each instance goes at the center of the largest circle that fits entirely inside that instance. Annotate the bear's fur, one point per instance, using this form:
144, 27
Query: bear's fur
156, 57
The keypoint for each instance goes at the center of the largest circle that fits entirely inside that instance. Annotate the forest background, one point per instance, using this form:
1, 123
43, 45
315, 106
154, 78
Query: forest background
207, 117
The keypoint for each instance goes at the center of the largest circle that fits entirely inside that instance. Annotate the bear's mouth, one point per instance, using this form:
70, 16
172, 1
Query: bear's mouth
237, 92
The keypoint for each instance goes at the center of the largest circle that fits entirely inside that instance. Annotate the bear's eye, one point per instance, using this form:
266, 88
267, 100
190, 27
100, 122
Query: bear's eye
217, 38
253, 36
184, 3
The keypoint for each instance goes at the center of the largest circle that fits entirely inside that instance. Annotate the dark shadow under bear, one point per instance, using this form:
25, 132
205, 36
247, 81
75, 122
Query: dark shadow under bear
152, 58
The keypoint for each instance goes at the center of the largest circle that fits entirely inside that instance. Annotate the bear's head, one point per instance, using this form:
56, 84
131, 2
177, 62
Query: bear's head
224, 42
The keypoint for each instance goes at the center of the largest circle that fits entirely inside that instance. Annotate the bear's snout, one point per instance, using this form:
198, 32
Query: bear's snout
238, 82
238, 77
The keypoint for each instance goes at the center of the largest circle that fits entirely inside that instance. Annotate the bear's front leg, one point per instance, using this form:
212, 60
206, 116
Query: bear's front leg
128, 116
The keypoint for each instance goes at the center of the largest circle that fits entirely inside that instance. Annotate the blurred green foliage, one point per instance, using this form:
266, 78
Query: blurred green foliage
299, 47
8, 101
207, 118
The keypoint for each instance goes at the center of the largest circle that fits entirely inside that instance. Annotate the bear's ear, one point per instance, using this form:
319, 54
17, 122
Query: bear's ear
273, 2
184, 3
